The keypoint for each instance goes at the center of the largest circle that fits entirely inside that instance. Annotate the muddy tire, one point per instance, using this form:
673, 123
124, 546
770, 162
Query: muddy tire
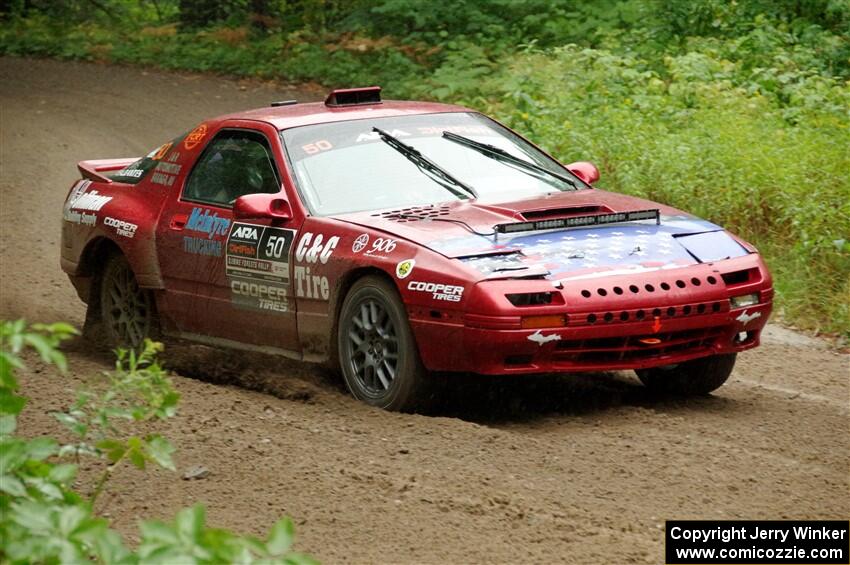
691, 378
378, 356
126, 312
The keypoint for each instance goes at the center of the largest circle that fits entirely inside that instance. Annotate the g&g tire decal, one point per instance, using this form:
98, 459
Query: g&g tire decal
316, 250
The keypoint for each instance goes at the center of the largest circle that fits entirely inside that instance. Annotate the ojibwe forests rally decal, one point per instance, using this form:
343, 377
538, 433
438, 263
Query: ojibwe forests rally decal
257, 266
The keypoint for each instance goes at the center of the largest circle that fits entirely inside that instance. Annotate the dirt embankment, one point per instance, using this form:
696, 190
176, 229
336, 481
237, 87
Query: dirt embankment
579, 469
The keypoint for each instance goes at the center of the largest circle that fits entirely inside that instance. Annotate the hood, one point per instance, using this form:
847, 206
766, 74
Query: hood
465, 231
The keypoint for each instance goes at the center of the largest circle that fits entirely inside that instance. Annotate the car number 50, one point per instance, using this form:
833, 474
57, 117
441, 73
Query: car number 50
275, 246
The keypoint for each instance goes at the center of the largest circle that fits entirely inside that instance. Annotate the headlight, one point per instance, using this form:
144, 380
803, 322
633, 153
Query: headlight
744, 300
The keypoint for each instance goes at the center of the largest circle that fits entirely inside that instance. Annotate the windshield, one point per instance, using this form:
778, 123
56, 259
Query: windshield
347, 167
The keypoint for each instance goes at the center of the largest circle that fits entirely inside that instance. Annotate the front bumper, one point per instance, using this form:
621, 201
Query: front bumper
616, 330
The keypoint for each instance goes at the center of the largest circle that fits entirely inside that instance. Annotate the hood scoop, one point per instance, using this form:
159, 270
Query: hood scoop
563, 212
431, 211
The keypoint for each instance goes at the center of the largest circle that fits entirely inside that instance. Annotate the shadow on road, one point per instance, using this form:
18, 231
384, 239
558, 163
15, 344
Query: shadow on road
503, 400
488, 400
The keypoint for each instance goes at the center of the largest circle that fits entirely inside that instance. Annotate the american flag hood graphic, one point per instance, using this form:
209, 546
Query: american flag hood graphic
499, 246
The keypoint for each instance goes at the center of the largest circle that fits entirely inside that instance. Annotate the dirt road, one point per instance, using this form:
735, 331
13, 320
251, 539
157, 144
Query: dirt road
577, 469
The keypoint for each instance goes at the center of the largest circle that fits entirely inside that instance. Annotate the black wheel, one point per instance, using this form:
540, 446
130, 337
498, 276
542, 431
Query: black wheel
696, 377
127, 312
377, 353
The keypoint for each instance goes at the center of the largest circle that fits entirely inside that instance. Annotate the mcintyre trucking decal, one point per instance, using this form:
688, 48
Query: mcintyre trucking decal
257, 266
207, 227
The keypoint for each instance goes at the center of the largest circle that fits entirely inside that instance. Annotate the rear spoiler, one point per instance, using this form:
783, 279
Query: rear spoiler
93, 170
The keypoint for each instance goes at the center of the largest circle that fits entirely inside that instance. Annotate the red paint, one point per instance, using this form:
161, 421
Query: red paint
656, 325
481, 333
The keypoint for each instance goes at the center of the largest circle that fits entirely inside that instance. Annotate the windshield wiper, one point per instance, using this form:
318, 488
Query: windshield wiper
503, 156
427, 166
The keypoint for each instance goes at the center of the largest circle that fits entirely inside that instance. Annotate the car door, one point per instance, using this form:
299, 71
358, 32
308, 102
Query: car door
226, 279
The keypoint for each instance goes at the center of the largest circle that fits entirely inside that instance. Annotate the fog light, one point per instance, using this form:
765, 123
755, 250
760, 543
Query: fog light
744, 300
537, 322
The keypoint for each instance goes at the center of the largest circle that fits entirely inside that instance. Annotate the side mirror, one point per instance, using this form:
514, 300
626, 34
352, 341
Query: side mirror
585, 171
261, 207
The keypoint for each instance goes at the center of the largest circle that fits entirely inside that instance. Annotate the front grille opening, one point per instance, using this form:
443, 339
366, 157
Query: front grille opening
525, 299
613, 349
738, 277
517, 360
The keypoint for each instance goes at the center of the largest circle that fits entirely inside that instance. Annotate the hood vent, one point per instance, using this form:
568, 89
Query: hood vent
414, 213
556, 213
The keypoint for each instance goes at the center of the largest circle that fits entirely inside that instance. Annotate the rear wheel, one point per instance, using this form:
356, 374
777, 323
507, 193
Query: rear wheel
127, 312
691, 378
377, 352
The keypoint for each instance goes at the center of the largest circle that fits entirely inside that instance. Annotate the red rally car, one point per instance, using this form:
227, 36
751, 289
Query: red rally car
393, 239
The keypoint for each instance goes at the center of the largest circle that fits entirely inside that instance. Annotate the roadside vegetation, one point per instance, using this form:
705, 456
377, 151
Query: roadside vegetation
734, 110
47, 517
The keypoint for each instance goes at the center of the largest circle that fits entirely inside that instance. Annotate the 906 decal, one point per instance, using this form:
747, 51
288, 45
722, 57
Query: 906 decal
379, 245
257, 265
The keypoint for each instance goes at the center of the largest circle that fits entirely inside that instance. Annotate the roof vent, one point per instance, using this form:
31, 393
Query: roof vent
354, 96
284, 103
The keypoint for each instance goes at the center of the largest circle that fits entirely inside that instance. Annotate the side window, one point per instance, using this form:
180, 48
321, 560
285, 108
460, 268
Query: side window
235, 163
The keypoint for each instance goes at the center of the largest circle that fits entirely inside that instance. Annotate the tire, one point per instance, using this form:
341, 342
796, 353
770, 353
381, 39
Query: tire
378, 356
691, 378
127, 312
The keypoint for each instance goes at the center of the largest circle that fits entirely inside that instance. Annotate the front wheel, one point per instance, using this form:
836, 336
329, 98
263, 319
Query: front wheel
127, 311
691, 378
377, 353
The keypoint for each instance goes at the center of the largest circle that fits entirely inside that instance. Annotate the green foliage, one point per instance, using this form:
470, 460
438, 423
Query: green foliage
43, 520
687, 137
736, 111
